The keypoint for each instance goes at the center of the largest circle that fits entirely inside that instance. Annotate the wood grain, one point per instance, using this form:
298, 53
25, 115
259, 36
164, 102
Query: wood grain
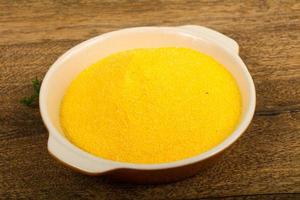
263, 164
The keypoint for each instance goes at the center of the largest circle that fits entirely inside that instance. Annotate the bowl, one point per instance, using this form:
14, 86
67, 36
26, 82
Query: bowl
70, 64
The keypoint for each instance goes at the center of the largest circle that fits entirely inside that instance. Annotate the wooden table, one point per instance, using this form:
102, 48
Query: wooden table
263, 164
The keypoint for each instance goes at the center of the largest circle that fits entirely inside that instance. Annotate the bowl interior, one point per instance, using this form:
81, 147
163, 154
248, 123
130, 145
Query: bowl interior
68, 66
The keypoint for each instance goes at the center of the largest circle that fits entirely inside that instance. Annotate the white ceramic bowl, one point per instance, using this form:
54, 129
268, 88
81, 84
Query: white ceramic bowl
70, 64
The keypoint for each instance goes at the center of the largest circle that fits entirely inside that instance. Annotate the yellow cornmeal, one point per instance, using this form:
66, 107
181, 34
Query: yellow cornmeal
151, 105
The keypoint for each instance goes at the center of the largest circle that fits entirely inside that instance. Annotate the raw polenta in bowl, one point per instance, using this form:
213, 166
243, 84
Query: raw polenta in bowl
151, 105
147, 104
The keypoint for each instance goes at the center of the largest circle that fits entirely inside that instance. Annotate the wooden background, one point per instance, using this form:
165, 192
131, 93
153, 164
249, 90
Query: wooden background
263, 164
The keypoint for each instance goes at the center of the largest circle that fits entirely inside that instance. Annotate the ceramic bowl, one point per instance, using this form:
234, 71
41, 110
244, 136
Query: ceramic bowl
70, 64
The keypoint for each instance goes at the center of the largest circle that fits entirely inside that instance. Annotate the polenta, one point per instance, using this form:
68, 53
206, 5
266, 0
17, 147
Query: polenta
151, 105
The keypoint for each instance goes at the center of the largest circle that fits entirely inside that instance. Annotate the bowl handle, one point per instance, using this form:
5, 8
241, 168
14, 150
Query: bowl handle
76, 159
218, 37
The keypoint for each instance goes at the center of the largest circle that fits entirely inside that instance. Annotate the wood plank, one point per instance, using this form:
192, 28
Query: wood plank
279, 91
260, 196
264, 161
31, 22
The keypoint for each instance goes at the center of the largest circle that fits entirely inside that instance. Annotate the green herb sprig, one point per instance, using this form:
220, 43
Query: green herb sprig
32, 100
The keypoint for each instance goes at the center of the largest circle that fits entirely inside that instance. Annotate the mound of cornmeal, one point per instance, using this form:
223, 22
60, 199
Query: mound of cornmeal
151, 105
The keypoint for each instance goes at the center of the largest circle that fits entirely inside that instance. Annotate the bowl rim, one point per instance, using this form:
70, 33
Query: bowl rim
241, 127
